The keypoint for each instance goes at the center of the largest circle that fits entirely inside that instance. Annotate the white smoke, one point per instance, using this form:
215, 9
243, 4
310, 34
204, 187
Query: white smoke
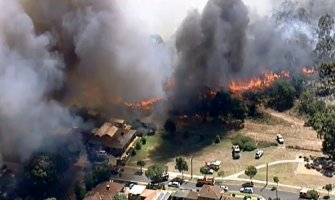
28, 72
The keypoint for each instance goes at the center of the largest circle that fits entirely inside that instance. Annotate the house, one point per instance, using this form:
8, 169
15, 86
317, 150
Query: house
105, 191
113, 139
185, 195
120, 123
208, 192
136, 191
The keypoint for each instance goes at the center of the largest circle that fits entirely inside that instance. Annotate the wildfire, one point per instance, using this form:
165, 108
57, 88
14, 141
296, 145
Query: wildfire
309, 71
145, 104
256, 83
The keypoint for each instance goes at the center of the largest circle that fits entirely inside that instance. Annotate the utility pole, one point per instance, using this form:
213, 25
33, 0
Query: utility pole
191, 167
267, 173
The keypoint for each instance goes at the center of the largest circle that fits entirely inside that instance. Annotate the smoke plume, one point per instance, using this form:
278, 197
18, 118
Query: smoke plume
228, 42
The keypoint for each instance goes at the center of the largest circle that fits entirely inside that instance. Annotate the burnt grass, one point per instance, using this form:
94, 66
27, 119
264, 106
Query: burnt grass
191, 137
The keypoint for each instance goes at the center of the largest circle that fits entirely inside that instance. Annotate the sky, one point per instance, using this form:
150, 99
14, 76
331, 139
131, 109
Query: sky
164, 16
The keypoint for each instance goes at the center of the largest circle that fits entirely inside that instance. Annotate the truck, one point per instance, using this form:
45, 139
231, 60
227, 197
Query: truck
205, 181
215, 165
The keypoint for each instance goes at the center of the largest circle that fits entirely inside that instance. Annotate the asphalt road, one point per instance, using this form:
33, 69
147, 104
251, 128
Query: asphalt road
266, 193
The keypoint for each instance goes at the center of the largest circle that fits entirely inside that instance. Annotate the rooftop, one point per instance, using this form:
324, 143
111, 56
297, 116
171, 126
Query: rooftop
210, 192
137, 189
105, 190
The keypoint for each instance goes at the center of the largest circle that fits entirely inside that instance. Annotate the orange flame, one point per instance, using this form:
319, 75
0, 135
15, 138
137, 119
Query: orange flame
257, 83
145, 104
309, 71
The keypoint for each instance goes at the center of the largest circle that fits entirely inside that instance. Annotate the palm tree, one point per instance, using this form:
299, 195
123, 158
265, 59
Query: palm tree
221, 174
276, 180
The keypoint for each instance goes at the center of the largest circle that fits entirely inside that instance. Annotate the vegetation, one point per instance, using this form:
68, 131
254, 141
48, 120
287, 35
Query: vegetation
251, 171
43, 172
138, 146
329, 188
143, 140
101, 173
221, 174
282, 96
120, 197
276, 180
245, 143
141, 164
170, 126
312, 194
217, 139
181, 165
80, 191
155, 172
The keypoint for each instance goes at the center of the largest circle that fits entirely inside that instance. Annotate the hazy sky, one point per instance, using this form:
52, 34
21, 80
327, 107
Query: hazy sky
164, 16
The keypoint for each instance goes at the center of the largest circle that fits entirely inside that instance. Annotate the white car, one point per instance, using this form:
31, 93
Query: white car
259, 153
280, 139
249, 190
225, 188
236, 148
174, 184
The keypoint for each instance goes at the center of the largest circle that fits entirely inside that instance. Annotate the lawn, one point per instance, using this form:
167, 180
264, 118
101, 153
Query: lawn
287, 175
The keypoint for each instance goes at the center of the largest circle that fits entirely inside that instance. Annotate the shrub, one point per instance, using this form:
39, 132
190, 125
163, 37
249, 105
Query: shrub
245, 143
273, 188
133, 152
248, 184
217, 139
138, 146
233, 195
144, 140
326, 197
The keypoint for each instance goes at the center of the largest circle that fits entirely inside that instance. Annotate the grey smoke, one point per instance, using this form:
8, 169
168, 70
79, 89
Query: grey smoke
228, 42
28, 72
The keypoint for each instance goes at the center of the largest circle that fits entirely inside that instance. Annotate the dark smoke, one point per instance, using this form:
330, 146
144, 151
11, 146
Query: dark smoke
210, 47
227, 42
86, 50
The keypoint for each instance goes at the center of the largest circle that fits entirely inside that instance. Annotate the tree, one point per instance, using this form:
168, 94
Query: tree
325, 46
155, 172
221, 174
170, 126
101, 173
312, 194
251, 171
284, 96
141, 164
43, 172
138, 146
89, 182
329, 187
80, 191
181, 165
276, 180
120, 197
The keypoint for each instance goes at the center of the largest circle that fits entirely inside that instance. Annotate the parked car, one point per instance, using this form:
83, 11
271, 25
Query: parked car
259, 153
206, 170
174, 184
225, 188
280, 139
249, 190
236, 155
328, 174
236, 148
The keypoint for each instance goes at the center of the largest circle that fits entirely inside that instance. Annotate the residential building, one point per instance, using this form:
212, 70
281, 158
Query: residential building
113, 139
185, 195
208, 192
105, 191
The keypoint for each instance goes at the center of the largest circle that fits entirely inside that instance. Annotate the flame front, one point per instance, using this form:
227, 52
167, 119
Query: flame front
238, 87
145, 104
309, 71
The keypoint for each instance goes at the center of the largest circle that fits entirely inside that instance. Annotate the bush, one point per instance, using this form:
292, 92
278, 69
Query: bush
274, 188
245, 143
144, 140
217, 139
133, 152
233, 195
248, 184
326, 197
138, 146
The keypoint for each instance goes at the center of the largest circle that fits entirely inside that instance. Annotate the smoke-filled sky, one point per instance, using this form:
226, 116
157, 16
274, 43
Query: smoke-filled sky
94, 52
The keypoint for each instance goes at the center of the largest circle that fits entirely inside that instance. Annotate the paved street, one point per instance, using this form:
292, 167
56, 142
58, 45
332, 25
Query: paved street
266, 193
